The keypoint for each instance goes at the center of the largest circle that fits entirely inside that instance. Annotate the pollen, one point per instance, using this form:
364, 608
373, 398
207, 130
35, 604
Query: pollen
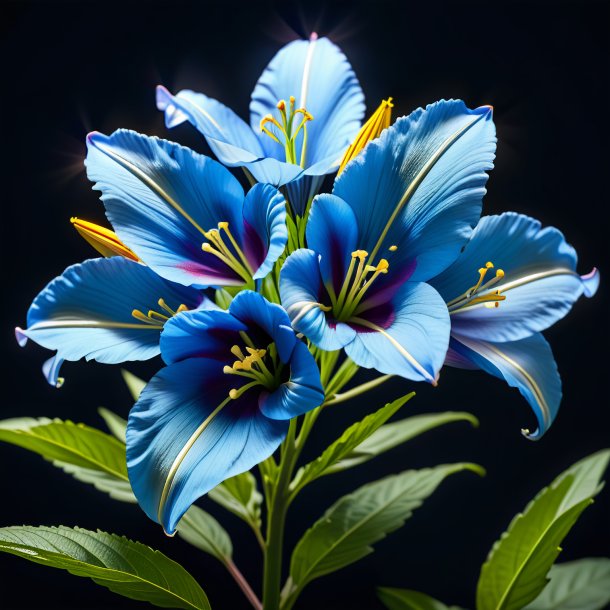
393, 248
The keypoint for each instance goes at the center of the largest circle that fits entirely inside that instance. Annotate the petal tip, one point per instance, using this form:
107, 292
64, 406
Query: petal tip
590, 282
163, 97
532, 436
50, 370
313, 36
21, 337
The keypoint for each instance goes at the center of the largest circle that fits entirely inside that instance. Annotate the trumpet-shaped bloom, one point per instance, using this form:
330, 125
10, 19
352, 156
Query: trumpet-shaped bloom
105, 309
513, 280
305, 110
183, 214
399, 214
234, 380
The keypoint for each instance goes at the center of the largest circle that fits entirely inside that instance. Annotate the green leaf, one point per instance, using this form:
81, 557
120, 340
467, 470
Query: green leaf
68, 442
116, 424
240, 496
128, 568
135, 385
203, 531
349, 527
576, 585
346, 443
406, 599
89, 455
516, 569
391, 435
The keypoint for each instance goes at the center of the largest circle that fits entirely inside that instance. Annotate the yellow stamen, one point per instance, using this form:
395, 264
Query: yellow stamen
393, 248
372, 129
477, 294
154, 318
103, 240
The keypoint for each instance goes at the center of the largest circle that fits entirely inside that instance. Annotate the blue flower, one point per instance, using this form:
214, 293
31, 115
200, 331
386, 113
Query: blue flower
527, 280
105, 309
399, 214
222, 405
185, 215
305, 110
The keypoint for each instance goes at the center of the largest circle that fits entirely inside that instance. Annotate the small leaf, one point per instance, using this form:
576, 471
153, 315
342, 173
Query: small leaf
391, 435
240, 496
516, 569
116, 424
406, 599
346, 443
89, 455
203, 531
135, 385
576, 585
128, 568
349, 527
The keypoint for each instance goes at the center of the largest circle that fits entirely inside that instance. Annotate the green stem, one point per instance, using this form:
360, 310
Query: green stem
276, 520
359, 389
243, 584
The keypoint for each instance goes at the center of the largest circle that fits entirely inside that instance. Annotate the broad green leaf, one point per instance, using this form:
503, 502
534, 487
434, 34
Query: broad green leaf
406, 599
203, 531
391, 435
117, 488
116, 424
134, 384
517, 566
65, 441
576, 585
128, 568
240, 496
346, 443
349, 527
89, 455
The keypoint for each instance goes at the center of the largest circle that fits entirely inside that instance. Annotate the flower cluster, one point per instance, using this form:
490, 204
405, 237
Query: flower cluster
395, 269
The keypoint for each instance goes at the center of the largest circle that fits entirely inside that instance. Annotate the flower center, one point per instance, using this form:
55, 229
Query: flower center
154, 318
223, 245
285, 132
259, 365
477, 295
357, 282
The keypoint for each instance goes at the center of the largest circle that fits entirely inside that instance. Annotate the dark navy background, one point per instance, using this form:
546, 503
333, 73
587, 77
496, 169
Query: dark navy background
71, 67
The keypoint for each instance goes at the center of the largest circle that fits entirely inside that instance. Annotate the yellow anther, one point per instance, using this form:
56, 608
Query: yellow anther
478, 294
233, 394
382, 266
103, 240
281, 105
292, 100
489, 265
236, 351
393, 248
224, 225
207, 247
500, 273
372, 129
182, 307
361, 254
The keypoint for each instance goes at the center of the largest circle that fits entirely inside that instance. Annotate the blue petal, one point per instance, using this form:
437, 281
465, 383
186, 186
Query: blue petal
87, 311
209, 334
160, 198
229, 137
50, 369
301, 288
413, 345
527, 365
301, 393
266, 231
420, 185
321, 79
540, 282
332, 232
254, 311
300, 191
179, 441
